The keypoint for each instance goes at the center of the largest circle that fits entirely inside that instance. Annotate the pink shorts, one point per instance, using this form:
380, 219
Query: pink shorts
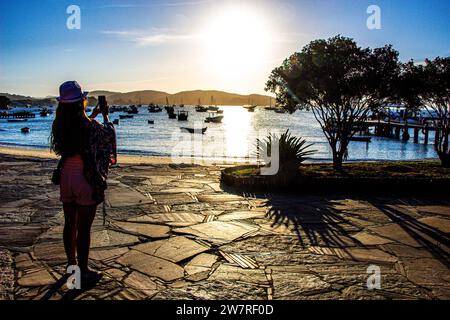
74, 187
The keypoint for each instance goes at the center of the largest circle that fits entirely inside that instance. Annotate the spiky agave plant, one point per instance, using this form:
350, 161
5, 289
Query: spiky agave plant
292, 150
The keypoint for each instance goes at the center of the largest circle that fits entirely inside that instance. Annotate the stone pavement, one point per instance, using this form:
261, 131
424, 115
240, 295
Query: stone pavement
172, 232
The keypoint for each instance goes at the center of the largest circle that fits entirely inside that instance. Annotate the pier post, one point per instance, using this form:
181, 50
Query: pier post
405, 135
426, 135
416, 135
397, 133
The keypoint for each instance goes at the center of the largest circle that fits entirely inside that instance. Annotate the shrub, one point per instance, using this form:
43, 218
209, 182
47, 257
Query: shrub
292, 150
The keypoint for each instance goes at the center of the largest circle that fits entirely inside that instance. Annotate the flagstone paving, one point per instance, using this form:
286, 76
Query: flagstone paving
173, 232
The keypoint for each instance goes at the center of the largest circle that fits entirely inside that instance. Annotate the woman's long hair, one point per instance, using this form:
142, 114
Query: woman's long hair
69, 129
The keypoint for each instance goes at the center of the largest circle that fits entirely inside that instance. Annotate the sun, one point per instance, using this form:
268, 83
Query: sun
237, 41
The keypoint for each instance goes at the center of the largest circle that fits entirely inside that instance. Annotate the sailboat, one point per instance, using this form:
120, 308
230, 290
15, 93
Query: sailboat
250, 107
212, 107
199, 107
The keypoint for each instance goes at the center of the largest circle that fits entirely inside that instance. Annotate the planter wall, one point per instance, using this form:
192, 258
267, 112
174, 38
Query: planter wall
310, 184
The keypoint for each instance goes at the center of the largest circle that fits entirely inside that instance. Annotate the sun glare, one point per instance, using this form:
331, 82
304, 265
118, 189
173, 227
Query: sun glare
237, 41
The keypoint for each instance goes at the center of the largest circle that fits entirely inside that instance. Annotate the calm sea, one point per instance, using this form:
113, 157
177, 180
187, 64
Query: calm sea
233, 139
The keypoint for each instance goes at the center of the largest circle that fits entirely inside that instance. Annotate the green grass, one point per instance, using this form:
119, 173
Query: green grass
410, 169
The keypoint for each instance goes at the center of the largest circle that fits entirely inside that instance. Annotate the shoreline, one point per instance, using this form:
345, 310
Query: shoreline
46, 154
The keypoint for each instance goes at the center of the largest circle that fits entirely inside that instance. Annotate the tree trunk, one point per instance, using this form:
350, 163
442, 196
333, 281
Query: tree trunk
445, 159
337, 161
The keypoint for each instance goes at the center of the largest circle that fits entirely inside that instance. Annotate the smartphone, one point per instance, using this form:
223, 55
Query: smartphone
103, 104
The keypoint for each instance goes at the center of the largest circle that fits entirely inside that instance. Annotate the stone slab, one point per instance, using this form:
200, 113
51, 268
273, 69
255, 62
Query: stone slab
145, 229
151, 265
227, 272
219, 231
174, 249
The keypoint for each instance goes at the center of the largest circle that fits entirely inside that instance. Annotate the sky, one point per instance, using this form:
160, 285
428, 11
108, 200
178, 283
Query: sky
179, 45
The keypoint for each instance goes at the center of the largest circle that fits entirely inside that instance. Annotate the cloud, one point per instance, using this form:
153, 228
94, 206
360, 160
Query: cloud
157, 4
152, 37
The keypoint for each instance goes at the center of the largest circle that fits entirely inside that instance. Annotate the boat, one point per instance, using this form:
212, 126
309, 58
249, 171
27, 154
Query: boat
126, 116
151, 121
132, 110
116, 121
361, 139
220, 111
117, 108
213, 118
44, 112
182, 115
172, 115
192, 130
200, 108
154, 109
250, 108
25, 130
213, 108
18, 120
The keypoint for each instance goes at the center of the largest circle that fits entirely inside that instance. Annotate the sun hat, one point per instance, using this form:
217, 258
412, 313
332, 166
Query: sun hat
70, 91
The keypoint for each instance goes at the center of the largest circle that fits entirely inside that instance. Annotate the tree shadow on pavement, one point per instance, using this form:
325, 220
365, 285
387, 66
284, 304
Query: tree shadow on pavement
313, 218
430, 238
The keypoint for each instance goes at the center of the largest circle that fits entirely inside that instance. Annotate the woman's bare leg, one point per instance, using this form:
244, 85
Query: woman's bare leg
85, 218
70, 232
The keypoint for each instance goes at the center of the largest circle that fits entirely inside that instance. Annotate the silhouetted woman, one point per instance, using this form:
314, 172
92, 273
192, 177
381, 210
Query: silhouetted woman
87, 149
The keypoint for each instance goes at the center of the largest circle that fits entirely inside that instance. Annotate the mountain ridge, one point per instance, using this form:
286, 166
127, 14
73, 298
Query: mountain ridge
188, 97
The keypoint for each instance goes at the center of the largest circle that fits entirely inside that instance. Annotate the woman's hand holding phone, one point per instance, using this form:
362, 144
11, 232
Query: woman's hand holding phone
95, 112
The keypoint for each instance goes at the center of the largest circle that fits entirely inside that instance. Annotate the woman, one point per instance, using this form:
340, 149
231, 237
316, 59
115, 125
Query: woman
87, 149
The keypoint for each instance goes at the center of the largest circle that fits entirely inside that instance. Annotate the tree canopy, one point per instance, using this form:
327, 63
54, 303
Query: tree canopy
340, 82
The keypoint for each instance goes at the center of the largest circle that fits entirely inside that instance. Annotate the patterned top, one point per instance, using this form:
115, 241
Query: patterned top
100, 154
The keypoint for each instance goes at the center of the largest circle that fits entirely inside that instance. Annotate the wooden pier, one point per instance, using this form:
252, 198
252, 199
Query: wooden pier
400, 130
17, 115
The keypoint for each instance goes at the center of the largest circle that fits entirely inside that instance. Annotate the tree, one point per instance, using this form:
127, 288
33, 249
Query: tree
436, 97
4, 102
339, 82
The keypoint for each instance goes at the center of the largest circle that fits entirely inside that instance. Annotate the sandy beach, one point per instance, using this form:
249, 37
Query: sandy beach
122, 159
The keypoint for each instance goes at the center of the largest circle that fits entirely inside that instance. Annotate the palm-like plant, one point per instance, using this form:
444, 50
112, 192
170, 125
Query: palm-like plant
292, 150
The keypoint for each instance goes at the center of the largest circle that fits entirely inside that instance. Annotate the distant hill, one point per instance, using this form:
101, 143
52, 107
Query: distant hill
13, 97
185, 97
97, 93
24, 101
158, 97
